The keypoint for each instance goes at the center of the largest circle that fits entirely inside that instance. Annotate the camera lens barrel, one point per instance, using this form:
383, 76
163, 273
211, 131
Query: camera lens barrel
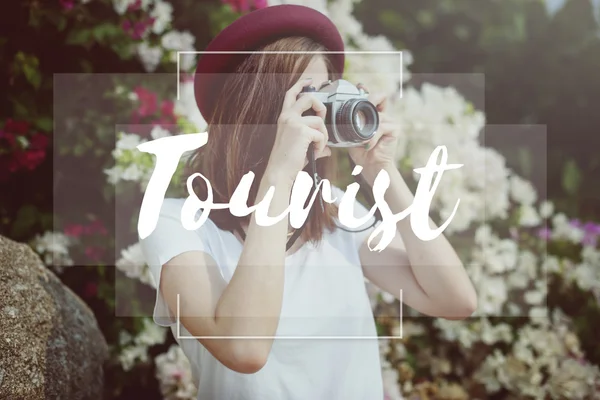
357, 120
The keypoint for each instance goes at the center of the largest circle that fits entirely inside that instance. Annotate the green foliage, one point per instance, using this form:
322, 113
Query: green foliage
571, 178
539, 69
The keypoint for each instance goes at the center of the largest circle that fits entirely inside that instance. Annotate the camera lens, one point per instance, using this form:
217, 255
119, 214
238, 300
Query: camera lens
360, 120
357, 120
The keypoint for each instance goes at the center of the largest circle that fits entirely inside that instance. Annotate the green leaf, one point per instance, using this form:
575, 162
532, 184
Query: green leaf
106, 31
571, 179
44, 123
25, 220
32, 75
79, 37
525, 161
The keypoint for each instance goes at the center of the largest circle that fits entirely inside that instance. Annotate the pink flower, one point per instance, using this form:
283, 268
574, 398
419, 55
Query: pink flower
137, 30
135, 6
38, 141
74, 230
148, 102
18, 127
167, 108
9, 138
94, 253
544, 233
91, 289
246, 5
258, 4
29, 159
67, 4
96, 227
177, 374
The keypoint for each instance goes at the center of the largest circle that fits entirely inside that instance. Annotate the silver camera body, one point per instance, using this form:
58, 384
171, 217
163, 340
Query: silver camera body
351, 118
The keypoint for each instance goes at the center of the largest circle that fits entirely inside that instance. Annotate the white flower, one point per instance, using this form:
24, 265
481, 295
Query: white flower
53, 247
522, 191
128, 141
492, 296
149, 56
136, 350
186, 106
121, 6
114, 174
174, 374
159, 132
133, 264
528, 216
546, 209
152, 334
132, 173
573, 380
391, 386
562, 229
162, 14
129, 356
180, 41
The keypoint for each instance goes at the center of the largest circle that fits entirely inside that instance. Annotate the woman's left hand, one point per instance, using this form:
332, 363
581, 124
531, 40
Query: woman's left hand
380, 151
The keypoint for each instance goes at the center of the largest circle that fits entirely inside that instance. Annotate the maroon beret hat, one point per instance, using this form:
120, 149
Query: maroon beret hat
254, 30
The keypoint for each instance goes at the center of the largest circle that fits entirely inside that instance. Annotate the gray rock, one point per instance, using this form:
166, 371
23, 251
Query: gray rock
50, 343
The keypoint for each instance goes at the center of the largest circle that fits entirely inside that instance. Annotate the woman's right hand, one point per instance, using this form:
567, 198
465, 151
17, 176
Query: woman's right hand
296, 132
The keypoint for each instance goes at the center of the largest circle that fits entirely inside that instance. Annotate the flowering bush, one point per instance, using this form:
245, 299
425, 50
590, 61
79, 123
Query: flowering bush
534, 268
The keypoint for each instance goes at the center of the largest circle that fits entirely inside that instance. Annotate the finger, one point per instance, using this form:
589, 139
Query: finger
374, 140
292, 94
315, 136
307, 102
325, 153
379, 100
317, 123
385, 132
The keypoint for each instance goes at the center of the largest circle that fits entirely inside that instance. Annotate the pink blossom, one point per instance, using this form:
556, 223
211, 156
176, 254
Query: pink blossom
544, 233
246, 5
18, 127
74, 230
148, 102
91, 289
94, 253
67, 4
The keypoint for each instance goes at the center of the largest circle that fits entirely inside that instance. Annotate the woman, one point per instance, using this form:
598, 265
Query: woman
228, 288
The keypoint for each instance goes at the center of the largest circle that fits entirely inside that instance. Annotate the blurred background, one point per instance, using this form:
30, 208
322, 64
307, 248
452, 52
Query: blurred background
74, 70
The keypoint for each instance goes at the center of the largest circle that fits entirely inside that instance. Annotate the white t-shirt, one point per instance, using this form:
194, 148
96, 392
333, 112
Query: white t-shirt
324, 296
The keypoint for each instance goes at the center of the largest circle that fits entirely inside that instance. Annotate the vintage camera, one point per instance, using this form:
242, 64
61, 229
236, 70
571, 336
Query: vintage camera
351, 119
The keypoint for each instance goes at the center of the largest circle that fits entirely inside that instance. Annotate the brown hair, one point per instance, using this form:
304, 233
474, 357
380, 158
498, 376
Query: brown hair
242, 131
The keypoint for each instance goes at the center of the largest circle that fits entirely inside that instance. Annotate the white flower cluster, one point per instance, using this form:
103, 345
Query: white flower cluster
121, 6
435, 116
171, 41
586, 274
186, 107
546, 360
53, 247
130, 163
174, 42
503, 273
133, 264
174, 374
135, 349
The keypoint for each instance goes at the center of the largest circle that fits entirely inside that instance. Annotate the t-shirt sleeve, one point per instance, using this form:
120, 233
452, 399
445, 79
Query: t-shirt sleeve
360, 234
168, 240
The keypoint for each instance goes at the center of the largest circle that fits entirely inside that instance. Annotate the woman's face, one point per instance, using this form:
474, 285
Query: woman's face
317, 70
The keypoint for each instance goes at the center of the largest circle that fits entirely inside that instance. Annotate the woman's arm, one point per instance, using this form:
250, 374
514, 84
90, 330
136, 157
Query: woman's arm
430, 274
249, 305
